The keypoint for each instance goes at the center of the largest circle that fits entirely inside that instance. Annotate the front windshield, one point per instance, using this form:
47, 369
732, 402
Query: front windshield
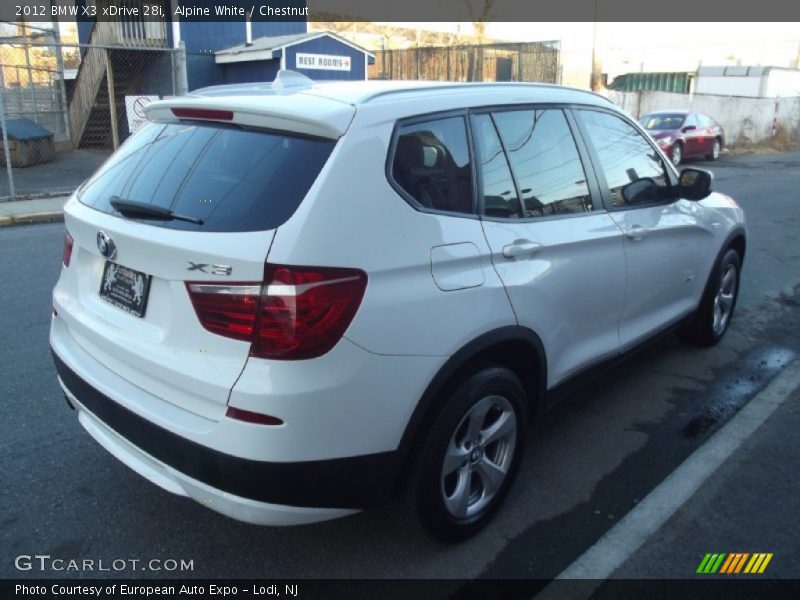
655, 122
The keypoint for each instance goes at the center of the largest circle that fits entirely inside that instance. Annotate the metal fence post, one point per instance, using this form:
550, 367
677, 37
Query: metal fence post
112, 101
25, 34
6, 150
180, 82
62, 80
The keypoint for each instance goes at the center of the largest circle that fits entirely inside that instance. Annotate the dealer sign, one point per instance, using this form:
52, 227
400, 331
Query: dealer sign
323, 62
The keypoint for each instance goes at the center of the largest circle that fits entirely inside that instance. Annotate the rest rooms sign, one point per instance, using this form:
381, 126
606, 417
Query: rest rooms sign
322, 62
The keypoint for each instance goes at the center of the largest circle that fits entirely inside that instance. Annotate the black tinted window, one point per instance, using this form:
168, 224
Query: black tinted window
499, 195
432, 164
626, 157
544, 162
662, 121
232, 179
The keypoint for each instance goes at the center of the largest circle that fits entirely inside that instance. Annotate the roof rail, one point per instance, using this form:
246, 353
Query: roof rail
437, 85
285, 82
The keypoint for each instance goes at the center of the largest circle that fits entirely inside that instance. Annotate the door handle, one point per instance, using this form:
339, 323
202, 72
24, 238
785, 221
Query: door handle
636, 233
520, 248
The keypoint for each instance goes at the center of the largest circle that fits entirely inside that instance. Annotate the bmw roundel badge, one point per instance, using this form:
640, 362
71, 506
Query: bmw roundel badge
106, 245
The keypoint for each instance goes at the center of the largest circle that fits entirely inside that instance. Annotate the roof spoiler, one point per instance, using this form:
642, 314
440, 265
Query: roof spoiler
279, 106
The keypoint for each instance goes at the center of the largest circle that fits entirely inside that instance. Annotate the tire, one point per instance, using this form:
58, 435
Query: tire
715, 150
459, 479
713, 316
676, 154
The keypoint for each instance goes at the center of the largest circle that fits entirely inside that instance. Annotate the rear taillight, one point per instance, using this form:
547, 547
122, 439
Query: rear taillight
67, 249
229, 309
296, 313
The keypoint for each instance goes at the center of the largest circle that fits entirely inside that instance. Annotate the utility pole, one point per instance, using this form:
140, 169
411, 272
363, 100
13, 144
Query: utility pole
594, 78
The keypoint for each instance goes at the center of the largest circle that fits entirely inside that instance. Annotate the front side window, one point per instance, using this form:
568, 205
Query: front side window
432, 164
634, 172
544, 162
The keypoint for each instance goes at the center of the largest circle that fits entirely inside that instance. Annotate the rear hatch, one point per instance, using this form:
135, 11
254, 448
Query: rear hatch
180, 205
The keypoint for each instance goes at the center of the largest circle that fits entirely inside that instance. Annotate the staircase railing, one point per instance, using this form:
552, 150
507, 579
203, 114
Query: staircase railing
90, 77
92, 71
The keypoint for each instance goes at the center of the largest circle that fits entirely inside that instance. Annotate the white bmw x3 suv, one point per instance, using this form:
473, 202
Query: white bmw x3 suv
294, 301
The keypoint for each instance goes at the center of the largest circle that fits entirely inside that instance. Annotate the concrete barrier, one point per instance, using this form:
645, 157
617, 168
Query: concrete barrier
745, 120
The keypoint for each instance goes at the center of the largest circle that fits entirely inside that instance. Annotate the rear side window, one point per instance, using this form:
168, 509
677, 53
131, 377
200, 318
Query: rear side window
230, 178
432, 164
544, 162
500, 198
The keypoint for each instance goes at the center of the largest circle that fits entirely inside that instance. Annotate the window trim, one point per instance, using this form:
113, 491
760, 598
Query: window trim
605, 190
597, 199
479, 174
390, 155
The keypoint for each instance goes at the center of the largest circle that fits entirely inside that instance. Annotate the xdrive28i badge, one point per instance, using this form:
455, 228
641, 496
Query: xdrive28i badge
106, 245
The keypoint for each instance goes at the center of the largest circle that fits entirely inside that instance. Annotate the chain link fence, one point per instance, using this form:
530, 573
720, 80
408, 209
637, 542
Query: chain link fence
532, 61
80, 99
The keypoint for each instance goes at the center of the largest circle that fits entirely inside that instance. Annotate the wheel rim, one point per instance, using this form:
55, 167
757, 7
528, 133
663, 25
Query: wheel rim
715, 150
478, 457
676, 154
723, 301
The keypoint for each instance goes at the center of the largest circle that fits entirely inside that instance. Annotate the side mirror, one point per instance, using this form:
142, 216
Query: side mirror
641, 191
689, 128
694, 184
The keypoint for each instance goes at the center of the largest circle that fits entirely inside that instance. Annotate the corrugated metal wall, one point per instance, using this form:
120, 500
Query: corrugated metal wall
203, 39
251, 72
677, 82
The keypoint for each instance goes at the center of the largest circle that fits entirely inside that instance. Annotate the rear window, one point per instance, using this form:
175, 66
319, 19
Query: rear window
231, 179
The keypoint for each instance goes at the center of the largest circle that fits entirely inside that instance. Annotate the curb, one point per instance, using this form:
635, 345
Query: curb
32, 219
35, 196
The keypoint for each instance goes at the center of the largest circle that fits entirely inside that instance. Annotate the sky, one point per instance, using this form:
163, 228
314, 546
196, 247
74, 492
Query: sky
649, 47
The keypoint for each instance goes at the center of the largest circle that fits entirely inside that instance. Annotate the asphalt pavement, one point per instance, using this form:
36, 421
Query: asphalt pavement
588, 464
60, 176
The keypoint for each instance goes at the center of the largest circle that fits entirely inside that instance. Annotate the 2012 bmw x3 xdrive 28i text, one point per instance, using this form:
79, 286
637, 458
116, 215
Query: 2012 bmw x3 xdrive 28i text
293, 301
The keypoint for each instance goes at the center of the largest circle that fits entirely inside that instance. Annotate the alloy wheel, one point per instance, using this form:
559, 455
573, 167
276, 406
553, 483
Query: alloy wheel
723, 301
478, 457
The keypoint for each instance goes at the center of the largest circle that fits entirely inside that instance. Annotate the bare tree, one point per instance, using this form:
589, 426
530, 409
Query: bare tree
479, 18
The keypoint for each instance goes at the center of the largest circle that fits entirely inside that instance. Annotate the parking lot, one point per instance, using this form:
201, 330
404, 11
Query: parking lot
588, 462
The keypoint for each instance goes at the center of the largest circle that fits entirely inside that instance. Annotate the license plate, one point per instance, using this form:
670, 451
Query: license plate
125, 288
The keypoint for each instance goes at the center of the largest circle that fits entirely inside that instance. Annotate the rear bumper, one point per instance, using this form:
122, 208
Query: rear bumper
271, 493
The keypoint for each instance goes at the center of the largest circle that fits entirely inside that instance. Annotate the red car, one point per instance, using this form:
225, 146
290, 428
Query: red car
682, 133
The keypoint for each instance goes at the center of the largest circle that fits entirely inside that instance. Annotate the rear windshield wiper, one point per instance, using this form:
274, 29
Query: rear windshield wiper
130, 208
